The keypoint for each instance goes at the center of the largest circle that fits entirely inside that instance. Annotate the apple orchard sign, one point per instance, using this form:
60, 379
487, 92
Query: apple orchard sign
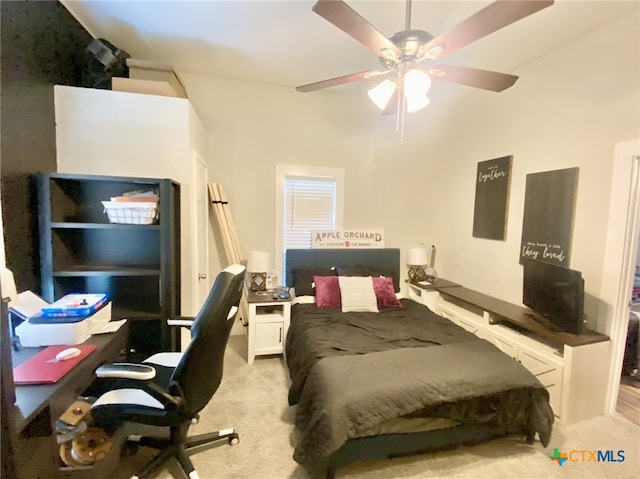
347, 239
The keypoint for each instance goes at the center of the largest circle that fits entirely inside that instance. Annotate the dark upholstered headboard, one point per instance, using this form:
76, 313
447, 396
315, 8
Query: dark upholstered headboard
384, 258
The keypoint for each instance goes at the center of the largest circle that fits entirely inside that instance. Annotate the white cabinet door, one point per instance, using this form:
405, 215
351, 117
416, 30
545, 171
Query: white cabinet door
548, 369
269, 336
503, 342
541, 363
463, 320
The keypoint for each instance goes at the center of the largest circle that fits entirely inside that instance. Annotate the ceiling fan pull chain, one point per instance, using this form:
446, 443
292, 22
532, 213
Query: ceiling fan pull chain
402, 109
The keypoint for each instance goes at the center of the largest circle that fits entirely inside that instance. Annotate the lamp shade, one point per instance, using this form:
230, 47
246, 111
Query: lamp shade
259, 262
416, 85
382, 93
417, 257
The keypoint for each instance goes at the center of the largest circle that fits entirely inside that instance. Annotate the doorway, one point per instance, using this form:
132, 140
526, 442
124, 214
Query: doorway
628, 401
620, 258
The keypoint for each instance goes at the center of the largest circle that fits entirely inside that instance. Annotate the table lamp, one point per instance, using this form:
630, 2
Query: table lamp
416, 260
258, 264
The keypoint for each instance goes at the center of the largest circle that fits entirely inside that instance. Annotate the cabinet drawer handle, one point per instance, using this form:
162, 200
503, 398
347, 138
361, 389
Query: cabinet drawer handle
280, 340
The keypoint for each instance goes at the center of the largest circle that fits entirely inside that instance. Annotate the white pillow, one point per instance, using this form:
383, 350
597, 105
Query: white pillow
357, 294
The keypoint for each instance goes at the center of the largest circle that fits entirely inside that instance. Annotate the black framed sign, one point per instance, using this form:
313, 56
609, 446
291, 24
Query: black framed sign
492, 198
547, 224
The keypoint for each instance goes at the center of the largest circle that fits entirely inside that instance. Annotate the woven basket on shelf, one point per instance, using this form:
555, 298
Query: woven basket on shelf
131, 213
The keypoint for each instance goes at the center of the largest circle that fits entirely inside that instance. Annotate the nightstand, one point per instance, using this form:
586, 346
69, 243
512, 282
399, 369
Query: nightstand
427, 293
268, 324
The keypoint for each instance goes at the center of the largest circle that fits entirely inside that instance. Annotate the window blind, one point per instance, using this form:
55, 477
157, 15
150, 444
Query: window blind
310, 204
307, 198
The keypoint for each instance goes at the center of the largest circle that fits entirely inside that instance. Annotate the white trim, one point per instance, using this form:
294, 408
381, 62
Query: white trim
311, 172
619, 259
199, 223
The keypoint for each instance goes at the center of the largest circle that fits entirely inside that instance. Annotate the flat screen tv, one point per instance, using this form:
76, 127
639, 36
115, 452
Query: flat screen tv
556, 294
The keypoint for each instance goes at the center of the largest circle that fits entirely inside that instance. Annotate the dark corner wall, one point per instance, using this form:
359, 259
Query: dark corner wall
42, 45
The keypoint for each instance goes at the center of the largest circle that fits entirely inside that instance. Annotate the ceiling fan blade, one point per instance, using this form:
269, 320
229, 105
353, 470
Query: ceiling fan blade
473, 77
353, 77
493, 17
349, 21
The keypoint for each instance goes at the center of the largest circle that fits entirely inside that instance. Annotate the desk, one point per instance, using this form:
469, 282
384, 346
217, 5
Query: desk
38, 406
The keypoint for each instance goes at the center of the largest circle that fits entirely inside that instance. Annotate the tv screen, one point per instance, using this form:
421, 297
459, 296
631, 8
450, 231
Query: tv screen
555, 293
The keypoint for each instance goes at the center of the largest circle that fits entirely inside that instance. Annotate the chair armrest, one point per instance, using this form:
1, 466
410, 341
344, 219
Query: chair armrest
183, 321
143, 373
140, 372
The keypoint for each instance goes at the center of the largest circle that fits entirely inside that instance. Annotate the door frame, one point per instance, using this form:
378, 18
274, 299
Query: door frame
620, 257
197, 224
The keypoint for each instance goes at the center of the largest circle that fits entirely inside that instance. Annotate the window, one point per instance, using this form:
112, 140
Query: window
307, 199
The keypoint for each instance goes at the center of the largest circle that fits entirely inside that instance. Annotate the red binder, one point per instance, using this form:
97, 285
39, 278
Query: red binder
38, 369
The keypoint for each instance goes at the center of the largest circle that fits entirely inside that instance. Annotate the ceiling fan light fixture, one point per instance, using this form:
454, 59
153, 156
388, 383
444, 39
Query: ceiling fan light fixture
416, 82
416, 85
416, 102
382, 93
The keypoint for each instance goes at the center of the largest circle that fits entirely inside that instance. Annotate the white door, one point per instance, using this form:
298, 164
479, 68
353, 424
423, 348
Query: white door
201, 247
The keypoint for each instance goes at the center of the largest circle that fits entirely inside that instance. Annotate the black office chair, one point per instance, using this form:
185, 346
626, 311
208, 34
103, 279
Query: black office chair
170, 389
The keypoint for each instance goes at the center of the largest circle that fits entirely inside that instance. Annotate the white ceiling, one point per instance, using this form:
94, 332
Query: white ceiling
285, 43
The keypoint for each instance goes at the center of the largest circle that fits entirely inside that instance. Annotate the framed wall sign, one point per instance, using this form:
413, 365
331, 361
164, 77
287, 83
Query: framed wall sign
492, 198
547, 224
347, 239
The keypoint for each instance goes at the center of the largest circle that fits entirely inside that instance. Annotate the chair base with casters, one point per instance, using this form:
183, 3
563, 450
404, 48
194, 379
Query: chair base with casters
177, 445
168, 390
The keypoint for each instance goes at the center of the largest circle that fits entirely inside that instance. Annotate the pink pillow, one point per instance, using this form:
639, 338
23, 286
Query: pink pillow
327, 292
385, 292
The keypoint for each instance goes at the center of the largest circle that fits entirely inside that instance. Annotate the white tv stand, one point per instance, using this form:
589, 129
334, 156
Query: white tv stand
574, 368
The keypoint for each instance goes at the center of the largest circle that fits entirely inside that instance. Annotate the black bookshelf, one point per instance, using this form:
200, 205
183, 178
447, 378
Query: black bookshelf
138, 265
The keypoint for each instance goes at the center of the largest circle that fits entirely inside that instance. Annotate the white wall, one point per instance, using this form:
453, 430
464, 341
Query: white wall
103, 132
568, 109
253, 127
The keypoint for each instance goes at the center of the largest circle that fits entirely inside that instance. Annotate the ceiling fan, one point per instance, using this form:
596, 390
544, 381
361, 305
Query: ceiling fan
411, 58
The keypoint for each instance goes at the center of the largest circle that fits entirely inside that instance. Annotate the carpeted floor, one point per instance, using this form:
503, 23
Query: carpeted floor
253, 399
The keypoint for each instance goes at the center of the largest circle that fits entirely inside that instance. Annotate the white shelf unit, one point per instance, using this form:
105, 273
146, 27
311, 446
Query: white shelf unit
575, 375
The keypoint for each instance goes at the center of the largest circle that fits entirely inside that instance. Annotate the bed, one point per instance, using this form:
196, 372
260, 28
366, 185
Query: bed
392, 378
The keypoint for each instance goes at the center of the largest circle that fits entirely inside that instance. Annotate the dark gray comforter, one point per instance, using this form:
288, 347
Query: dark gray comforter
351, 372
319, 333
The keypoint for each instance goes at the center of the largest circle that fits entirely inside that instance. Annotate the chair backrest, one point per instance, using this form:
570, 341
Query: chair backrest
199, 372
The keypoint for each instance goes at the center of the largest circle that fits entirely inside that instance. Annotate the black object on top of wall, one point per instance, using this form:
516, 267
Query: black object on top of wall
42, 45
492, 198
547, 224
104, 61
